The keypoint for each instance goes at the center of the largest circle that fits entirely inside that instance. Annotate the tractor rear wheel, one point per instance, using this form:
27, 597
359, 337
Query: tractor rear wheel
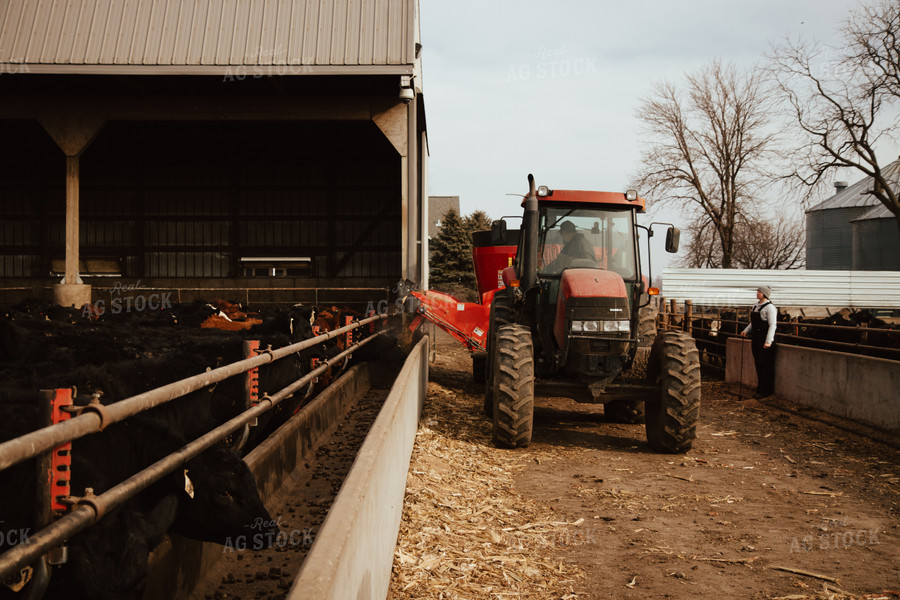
672, 415
513, 386
501, 314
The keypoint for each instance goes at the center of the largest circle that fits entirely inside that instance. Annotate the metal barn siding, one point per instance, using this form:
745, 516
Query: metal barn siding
876, 241
179, 33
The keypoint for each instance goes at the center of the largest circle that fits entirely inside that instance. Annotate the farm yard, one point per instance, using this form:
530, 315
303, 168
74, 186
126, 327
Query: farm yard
772, 502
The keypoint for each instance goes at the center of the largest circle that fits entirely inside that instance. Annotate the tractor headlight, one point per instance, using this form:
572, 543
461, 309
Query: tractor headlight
601, 326
588, 326
616, 326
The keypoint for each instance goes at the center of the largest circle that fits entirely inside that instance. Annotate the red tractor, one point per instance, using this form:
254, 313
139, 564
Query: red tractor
565, 318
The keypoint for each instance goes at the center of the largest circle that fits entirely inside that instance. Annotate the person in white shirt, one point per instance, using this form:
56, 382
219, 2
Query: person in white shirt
763, 320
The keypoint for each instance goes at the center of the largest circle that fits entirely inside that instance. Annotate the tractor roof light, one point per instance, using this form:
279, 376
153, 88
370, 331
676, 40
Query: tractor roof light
631, 195
543, 191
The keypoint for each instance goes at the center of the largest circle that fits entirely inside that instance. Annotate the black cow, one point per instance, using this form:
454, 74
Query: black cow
214, 498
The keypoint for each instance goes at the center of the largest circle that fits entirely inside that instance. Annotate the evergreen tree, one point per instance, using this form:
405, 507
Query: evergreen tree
450, 261
477, 221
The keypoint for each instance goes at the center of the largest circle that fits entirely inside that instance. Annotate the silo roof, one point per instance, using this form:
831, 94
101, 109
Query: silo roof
879, 212
209, 36
857, 195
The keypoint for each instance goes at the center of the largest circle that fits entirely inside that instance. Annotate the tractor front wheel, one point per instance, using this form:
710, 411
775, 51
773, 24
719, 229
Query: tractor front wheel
513, 386
501, 314
672, 415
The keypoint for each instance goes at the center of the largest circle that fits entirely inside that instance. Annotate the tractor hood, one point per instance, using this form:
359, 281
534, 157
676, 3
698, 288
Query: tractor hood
589, 289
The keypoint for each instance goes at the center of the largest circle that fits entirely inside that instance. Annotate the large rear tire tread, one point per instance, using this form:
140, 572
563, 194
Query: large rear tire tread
513, 387
672, 417
501, 314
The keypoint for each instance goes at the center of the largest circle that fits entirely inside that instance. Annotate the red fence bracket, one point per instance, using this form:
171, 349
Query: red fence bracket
347, 321
61, 457
251, 377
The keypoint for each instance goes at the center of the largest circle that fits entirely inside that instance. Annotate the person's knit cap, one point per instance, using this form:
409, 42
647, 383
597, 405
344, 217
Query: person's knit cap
764, 290
567, 226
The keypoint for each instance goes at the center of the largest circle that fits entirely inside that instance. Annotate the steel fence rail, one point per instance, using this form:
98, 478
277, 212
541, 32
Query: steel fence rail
89, 510
792, 339
96, 417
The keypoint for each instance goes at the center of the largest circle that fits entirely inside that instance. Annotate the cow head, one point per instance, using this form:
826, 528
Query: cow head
301, 319
221, 503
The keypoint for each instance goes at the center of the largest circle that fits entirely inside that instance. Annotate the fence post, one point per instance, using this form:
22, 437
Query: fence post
688, 313
673, 310
663, 315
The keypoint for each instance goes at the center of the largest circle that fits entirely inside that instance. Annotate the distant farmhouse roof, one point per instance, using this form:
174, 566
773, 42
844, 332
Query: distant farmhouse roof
857, 194
210, 36
437, 208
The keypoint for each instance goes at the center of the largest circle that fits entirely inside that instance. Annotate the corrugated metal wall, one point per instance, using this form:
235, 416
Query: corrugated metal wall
192, 199
737, 287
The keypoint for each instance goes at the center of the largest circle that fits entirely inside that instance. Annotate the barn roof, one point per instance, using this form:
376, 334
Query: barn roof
857, 195
210, 36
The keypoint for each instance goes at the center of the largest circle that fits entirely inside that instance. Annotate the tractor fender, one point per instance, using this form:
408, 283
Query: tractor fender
584, 283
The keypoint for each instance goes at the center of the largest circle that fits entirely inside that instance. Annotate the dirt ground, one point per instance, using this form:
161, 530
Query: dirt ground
772, 502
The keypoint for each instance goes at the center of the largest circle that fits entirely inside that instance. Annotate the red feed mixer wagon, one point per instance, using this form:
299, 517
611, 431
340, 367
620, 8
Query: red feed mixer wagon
564, 310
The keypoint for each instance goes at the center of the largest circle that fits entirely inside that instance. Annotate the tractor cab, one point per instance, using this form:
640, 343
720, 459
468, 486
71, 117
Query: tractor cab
583, 309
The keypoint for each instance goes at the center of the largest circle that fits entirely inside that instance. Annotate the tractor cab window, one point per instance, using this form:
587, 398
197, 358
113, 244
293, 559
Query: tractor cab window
586, 238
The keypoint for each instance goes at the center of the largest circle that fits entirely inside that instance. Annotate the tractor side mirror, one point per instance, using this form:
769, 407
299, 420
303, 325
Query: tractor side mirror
498, 232
673, 234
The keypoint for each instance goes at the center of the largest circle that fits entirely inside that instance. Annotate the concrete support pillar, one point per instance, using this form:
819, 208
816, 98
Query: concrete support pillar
73, 134
72, 219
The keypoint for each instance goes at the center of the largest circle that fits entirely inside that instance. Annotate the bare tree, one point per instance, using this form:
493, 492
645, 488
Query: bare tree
843, 107
776, 244
702, 249
758, 244
709, 146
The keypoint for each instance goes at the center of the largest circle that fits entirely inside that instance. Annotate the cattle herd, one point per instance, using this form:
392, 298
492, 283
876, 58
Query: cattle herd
115, 356
860, 331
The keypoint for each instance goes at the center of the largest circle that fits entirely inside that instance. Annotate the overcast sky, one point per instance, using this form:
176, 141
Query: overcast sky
551, 88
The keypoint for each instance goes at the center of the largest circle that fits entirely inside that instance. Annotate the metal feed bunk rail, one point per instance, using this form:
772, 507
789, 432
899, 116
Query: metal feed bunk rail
665, 318
95, 417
